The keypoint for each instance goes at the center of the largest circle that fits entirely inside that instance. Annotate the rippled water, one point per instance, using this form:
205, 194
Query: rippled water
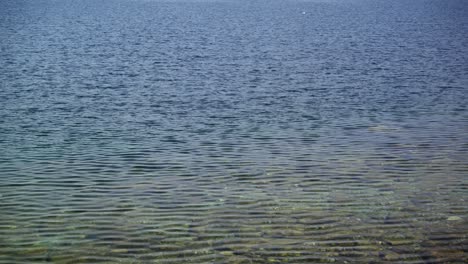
233, 131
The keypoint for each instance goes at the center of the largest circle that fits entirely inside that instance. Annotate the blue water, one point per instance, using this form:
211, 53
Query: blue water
148, 131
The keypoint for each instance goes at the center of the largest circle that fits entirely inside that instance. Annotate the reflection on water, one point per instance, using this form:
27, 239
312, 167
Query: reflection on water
233, 132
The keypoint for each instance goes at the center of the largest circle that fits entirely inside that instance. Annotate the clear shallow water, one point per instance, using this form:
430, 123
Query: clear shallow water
233, 131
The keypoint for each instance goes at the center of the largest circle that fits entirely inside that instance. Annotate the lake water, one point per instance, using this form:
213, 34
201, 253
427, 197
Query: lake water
136, 131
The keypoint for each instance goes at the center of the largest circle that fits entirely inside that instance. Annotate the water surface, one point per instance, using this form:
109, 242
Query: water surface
233, 131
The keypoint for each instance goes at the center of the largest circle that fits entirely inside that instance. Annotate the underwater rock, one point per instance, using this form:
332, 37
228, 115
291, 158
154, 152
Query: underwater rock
454, 218
119, 250
391, 256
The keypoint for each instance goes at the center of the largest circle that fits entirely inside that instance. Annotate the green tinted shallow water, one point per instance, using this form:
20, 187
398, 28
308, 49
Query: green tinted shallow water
391, 203
233, 132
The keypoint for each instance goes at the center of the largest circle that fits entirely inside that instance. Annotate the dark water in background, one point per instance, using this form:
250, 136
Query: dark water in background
233, 131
